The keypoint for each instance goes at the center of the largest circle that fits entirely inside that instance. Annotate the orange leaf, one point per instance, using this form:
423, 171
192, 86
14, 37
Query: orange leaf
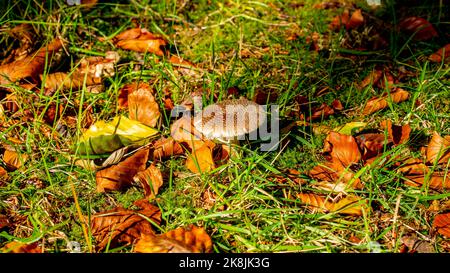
3, 174
438, 149
419, 27
122, 226
350, 205
165, 148
181, 240
371, 145
372, 78
316, 202
442, 224
342, 148
441, 54
142, 105
340, 20
65, 81
31, 66
151, 180
121, 175
398, 134
201, 160
413, 166
140, 40
16, 247
183, 131
13, 159
378, 103
436, 181
355, 21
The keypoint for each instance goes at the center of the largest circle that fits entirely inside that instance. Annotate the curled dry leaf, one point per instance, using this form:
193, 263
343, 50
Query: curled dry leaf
24, 34
371, 145
17, 247
98, 67
151, 180
378, 103
340, 20
140, 40
442, 224
165, 148
31, 66
142, 105
66, 81
438, 149
413, 166
355, 20
372, 78
201, 159
181, 240
398, 134
335, 173
3, 174
420, 28
121, 226
443, 54
4, 222
349, 205
121, 175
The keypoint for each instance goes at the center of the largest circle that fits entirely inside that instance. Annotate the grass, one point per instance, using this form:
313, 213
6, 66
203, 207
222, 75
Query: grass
251, 212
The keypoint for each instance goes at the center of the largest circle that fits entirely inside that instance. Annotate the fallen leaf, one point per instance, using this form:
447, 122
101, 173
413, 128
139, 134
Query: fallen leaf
99, 67
378, 103
105, 137
413, 166
350, 128
68, 81
349, 205
443, 54
17, 247
342, 148
140, 40
398, 134
181, 240
438, 149
372, 78
420, 28
184, 132
30, 66
442, 224
340, 20
371, 144
355, 20
201, 159
4, 222
151, 180
121, 226
416, 245
165, 148
435, 181
142, 105
13, 159
121, 175
335, 173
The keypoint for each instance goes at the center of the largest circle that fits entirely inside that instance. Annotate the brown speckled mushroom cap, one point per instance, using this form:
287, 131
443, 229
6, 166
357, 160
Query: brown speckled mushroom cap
230, 119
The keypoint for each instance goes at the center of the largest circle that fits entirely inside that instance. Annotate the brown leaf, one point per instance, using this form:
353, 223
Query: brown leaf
142, 105
201, 159
378, 103
165, 148
121, 175
413, 166
140, 40
13, 159
398, 134
436, 181
438, 149
372, 78
442, 54
17, 247
184, 132
121, 226
419, 27
371, 144
181, 240
3, 175
342, 148
4, 222
31, 66
355, 21
98, 67
151, 180
66, 81
335, 173
350, 205
340, 20
442, 224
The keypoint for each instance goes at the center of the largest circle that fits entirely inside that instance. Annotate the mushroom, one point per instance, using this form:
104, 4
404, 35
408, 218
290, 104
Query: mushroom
230, 120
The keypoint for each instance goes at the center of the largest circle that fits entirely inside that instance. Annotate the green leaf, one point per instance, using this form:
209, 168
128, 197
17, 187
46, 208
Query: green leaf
106, 137
350, 128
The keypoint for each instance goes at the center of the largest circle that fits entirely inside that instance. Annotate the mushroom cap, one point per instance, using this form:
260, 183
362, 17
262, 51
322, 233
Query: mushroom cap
230, 119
